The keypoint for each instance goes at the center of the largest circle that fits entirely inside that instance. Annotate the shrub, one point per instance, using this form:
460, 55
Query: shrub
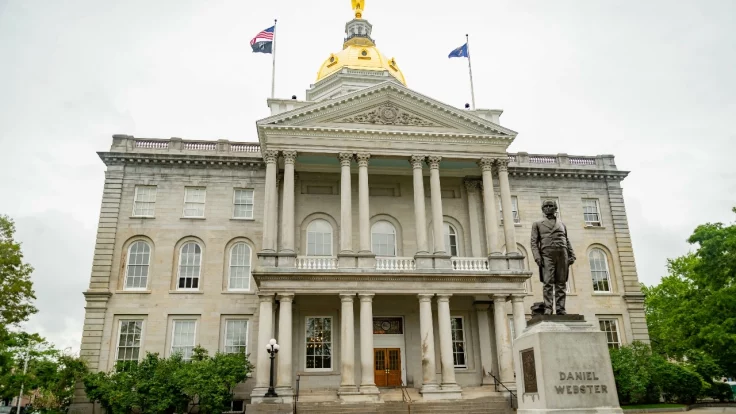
676, 382
721, 391
632, 366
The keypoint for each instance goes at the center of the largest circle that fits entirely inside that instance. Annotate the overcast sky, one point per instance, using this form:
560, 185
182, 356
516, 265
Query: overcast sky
652, 82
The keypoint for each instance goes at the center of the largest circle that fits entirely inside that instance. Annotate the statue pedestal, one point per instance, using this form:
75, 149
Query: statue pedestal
563, 366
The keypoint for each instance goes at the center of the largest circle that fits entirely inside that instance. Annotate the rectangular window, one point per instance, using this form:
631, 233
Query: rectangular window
319, 343
610, 327
236, 336
514, 209
129, 340
144, 202
243, 204
591, 212
458, 341
194, 201
182, 339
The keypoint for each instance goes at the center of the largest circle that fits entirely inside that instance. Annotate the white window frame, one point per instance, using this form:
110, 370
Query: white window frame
230, 268
151, 202
396, 247
173, 337
128, 265
178, 267
514, 209
592, 223
203, 203
449, 235
236, 204
140, 339
331, 342
464, 342
329, 239
614, 322
225, 334
593, 271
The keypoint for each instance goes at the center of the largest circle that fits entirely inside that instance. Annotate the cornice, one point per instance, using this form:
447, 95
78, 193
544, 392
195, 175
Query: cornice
263, 274
591, 174
189, 160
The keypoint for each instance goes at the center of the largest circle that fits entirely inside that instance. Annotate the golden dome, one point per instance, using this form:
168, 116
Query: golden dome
363, 57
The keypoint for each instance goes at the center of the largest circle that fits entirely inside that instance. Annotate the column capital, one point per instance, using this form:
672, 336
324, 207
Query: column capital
425, 297
417, 161
502, 164
486, 164
268, 297
271, 156
482, 306
443, 297
500, 297
472, 185
518, 298
434, 161
366, 297
362, 159
289, 157
345, 158
285, 297
347, 297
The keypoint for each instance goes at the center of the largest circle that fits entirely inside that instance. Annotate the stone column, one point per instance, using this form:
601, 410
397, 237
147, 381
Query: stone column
508, 214
436, 195
283, 379
484, 336
489, 207
346, 213
347, 347
471, 186
265, 333
367, 377
446, 358
270, 208
517, 306
363, 203
420, 216
503, 341
287, 216
426, 330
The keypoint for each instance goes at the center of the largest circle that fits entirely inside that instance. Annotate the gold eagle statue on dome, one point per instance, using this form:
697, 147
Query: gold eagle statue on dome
358, 6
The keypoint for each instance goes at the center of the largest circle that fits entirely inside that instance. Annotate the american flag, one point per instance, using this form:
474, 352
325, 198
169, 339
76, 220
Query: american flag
263, 41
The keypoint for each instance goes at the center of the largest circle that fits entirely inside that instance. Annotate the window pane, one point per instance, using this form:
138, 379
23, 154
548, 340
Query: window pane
189, 266
383, 237
236, 336
458, 341
139, 256
240, 267
243, 204
451, 239
194, 202
183, 338
129, 340
319, 238
590, 211
318, 342
599, 271
610, 327
144, 201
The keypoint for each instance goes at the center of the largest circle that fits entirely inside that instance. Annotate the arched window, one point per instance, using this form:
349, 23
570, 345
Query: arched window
451, 239
319, 238
383, 237
239, 278
136, 272
190, 261
599, 270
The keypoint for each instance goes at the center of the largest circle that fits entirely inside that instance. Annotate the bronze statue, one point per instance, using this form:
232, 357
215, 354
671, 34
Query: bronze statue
554, 255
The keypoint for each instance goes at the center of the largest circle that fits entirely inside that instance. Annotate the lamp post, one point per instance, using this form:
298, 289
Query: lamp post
272, 348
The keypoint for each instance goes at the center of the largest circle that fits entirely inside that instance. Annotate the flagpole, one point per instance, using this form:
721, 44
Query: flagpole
470, 70
273, 69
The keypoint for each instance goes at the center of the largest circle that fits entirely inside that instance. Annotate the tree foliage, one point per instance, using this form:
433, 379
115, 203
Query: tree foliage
169, 385
694, 307
16, 288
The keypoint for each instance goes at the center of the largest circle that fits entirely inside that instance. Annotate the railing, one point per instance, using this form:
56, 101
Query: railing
200, 146
245, 148
512, 396
469, 264
296, 392
542, 159
405, 396
395, 263
152, 144
512, 157
582, 161
316, 263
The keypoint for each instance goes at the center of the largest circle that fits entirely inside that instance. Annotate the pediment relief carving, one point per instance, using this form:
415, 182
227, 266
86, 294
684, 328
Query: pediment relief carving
387, 114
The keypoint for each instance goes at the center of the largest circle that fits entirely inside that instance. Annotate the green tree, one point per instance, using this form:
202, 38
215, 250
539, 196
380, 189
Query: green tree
694, 307
632, 369
16, 288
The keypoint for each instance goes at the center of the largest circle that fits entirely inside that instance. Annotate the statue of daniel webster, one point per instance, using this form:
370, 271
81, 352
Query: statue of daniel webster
553, 253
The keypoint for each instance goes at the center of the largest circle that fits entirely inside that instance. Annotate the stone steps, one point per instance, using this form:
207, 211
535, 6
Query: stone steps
496, 404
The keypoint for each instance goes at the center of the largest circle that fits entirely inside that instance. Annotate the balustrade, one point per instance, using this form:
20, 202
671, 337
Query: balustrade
542, 159
200, 146
469, 264
245, 148
582, 160
152, 144
316, 263
395, 263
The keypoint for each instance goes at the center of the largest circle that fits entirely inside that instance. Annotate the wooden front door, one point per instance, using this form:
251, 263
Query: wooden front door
387, 367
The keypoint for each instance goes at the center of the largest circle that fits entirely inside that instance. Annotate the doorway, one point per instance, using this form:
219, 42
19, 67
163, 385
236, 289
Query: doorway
387, 367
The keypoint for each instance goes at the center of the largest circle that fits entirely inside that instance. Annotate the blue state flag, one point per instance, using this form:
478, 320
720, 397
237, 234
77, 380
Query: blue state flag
462, 51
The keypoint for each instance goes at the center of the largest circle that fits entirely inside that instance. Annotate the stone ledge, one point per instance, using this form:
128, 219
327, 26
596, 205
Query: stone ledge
555, 318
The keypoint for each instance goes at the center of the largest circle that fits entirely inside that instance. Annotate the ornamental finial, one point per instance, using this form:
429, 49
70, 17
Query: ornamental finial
358, 6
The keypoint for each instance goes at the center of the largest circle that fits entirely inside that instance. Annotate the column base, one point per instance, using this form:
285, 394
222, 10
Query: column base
286, 259
441, 394
350, 393
366, 260
423, 261
268, 258
258, 393
347, 260
442, 261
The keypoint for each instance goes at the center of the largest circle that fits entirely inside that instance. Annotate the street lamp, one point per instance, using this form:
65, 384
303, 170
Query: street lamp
272, 348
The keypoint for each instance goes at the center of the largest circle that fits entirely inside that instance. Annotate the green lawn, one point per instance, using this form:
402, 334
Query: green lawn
643, 406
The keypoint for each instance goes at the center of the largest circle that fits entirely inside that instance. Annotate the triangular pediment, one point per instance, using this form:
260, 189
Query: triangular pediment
388, 107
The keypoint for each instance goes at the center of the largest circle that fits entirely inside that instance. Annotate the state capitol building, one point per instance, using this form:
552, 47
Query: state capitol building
380, 236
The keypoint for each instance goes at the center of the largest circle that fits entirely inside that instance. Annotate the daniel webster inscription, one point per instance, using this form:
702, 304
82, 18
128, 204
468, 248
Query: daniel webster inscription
553, 253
